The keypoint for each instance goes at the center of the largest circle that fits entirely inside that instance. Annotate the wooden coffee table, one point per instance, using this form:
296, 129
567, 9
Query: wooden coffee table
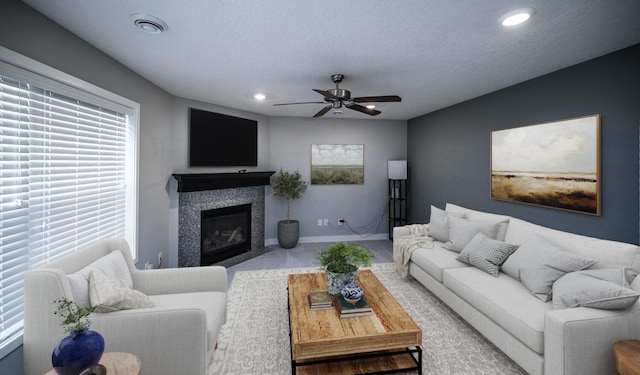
323, 343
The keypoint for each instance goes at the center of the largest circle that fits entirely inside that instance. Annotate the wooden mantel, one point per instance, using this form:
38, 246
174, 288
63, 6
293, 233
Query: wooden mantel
210, 181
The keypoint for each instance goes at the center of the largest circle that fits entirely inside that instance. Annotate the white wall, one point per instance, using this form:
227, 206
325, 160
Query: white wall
291, 140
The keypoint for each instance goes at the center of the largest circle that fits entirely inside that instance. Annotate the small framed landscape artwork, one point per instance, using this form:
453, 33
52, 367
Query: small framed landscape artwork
337, 164
554, 165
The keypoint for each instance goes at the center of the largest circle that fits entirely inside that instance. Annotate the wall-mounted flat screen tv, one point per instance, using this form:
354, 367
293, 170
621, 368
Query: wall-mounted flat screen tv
217, 140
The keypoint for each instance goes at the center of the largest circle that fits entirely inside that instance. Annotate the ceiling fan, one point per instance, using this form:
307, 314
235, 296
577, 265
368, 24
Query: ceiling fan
340, 97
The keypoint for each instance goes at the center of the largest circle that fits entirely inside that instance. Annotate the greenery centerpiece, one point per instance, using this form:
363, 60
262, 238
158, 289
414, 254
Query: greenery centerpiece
341, 261
290, 186
82, 348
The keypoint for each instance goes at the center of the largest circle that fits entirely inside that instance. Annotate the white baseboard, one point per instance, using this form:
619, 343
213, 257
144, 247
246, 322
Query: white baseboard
342, 238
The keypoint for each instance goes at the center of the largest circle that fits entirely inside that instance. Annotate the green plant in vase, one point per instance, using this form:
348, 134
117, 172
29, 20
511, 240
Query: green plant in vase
74, 318
290, 186
82, 348
341, 261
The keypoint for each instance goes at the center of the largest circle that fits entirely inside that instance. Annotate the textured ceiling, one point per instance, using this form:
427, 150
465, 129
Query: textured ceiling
432, 53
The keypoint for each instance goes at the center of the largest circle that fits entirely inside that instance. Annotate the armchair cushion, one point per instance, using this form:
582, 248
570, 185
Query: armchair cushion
112, 264
109, 295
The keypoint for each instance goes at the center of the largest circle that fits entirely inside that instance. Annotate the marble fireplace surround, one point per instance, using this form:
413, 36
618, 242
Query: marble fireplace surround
204, 191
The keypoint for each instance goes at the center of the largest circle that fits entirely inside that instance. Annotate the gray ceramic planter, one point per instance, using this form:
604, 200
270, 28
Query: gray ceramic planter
288, 233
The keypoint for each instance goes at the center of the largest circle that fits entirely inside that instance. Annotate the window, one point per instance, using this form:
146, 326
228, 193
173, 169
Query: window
67, 174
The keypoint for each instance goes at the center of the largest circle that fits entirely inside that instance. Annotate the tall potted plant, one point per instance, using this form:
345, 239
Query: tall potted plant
290, 186
341, 262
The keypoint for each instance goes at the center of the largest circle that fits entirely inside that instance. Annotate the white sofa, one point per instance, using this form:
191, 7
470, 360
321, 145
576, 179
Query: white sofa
539, 338
176, 336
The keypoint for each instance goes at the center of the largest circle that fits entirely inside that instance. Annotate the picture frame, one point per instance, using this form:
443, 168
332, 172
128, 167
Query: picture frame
554, 165
337, 164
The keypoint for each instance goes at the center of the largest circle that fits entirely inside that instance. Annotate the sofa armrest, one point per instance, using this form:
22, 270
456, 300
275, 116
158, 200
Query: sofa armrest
180, 280
178, 334
400, 232
580, 340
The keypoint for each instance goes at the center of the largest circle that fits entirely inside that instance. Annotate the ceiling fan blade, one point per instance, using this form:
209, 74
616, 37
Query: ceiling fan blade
377, 99
323, 111
298, 103
326, 94
363, 109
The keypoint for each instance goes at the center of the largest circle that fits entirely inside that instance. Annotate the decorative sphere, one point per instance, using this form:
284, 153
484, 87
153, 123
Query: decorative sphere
352, 292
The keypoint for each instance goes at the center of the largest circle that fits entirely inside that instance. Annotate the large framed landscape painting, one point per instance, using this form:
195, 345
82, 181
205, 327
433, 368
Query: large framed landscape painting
337, 164
555, 165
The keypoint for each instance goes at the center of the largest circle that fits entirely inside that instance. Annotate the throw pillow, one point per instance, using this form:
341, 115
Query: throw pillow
461, 232
501, 220
439, 223
109, 295
486, 254
604, 288
113, 264
538, 263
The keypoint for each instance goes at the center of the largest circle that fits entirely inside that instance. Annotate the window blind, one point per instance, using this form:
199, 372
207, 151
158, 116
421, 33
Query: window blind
67, 172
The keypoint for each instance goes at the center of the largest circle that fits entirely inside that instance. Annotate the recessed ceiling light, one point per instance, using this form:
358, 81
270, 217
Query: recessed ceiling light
371, 106
149, 24
259, 96
516, 17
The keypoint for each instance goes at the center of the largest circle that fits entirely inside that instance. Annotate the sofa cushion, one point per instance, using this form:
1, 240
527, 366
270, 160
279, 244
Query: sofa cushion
439, 223
504, 300
538, 263
610, 254
604, 288
486, 254
212, 303
501, 220
435, 260
108, 294
113, 265
461, 232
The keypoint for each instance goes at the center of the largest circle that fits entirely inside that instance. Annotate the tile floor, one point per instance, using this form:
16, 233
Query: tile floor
304, 255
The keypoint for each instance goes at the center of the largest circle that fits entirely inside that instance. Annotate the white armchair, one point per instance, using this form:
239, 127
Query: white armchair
176, 336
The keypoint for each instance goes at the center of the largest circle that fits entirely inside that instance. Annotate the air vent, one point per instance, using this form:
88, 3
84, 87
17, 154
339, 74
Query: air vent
149, 24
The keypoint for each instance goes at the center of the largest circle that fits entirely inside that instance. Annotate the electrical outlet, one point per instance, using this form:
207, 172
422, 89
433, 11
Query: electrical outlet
148, 266
159, 259
320, 222
325, 222
341, 221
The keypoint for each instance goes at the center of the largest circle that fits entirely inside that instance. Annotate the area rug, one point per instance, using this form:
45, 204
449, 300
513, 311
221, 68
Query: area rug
255, 339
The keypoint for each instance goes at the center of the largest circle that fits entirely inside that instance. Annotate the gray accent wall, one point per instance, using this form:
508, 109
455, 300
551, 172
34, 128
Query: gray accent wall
450, 149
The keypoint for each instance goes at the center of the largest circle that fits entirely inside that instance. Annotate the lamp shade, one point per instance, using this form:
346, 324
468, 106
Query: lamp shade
397, 169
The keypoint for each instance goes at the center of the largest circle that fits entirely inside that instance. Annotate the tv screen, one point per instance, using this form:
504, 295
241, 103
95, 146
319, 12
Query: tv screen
217, 140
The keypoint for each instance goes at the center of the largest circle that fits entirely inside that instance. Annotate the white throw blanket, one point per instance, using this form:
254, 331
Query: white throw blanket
404, 246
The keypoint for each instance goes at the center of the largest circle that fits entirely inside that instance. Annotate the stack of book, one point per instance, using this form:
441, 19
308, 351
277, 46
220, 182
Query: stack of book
320, 300
350, 310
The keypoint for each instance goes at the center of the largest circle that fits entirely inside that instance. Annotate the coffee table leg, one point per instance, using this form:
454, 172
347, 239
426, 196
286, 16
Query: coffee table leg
419, 360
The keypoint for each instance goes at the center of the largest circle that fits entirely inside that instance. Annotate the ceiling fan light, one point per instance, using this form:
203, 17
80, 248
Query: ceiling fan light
516, 17
371, 106
259, 97
149, 24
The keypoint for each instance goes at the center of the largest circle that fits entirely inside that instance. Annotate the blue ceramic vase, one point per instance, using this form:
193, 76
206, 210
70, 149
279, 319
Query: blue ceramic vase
352, 292
336, 281
77, 351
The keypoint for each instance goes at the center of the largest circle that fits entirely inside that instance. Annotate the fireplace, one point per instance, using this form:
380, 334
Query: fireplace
225, 233
200, 193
